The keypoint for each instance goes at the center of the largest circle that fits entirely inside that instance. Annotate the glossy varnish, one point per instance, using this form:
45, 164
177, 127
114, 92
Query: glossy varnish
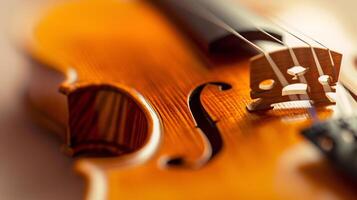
132, 48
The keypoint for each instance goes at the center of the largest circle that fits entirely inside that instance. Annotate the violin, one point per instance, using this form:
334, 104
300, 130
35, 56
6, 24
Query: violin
174, 99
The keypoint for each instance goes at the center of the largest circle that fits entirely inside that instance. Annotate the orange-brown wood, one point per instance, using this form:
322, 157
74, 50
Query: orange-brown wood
132, 47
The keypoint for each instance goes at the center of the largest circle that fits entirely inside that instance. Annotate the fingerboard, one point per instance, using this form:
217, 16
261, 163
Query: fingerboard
213, 38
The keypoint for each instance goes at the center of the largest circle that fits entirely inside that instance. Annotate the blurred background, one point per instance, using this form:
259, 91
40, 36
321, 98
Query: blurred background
31, 164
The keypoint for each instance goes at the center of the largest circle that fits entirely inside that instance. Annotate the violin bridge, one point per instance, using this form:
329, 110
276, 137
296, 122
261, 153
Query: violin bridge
313, 79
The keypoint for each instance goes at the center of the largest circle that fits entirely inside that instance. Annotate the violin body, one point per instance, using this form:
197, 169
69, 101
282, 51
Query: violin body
149, 116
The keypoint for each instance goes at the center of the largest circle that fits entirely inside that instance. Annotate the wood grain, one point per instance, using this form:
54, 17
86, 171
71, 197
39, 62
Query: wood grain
150, 55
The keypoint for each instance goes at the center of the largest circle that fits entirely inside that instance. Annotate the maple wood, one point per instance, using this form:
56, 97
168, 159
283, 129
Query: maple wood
132, 47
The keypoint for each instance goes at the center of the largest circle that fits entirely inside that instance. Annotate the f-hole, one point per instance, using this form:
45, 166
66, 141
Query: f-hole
206, 127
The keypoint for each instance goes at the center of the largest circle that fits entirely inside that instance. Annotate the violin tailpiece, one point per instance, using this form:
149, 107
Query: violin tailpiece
337, 139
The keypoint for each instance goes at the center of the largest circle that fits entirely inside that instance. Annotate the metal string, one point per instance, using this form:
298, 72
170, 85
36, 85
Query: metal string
293, 57
319, 43
302, 79
326, 88
209, 16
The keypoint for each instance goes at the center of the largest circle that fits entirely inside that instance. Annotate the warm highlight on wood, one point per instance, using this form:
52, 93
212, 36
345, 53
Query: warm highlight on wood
166, 149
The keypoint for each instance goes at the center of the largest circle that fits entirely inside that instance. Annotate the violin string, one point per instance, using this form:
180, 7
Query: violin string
209, 16
293, 57
317, 42
292, 54
342, 102
219, 22
214, 19
267, 55
291, 51
316, 60
312, 110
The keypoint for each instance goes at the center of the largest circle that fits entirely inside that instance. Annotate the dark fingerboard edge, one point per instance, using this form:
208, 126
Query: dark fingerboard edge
211, 37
